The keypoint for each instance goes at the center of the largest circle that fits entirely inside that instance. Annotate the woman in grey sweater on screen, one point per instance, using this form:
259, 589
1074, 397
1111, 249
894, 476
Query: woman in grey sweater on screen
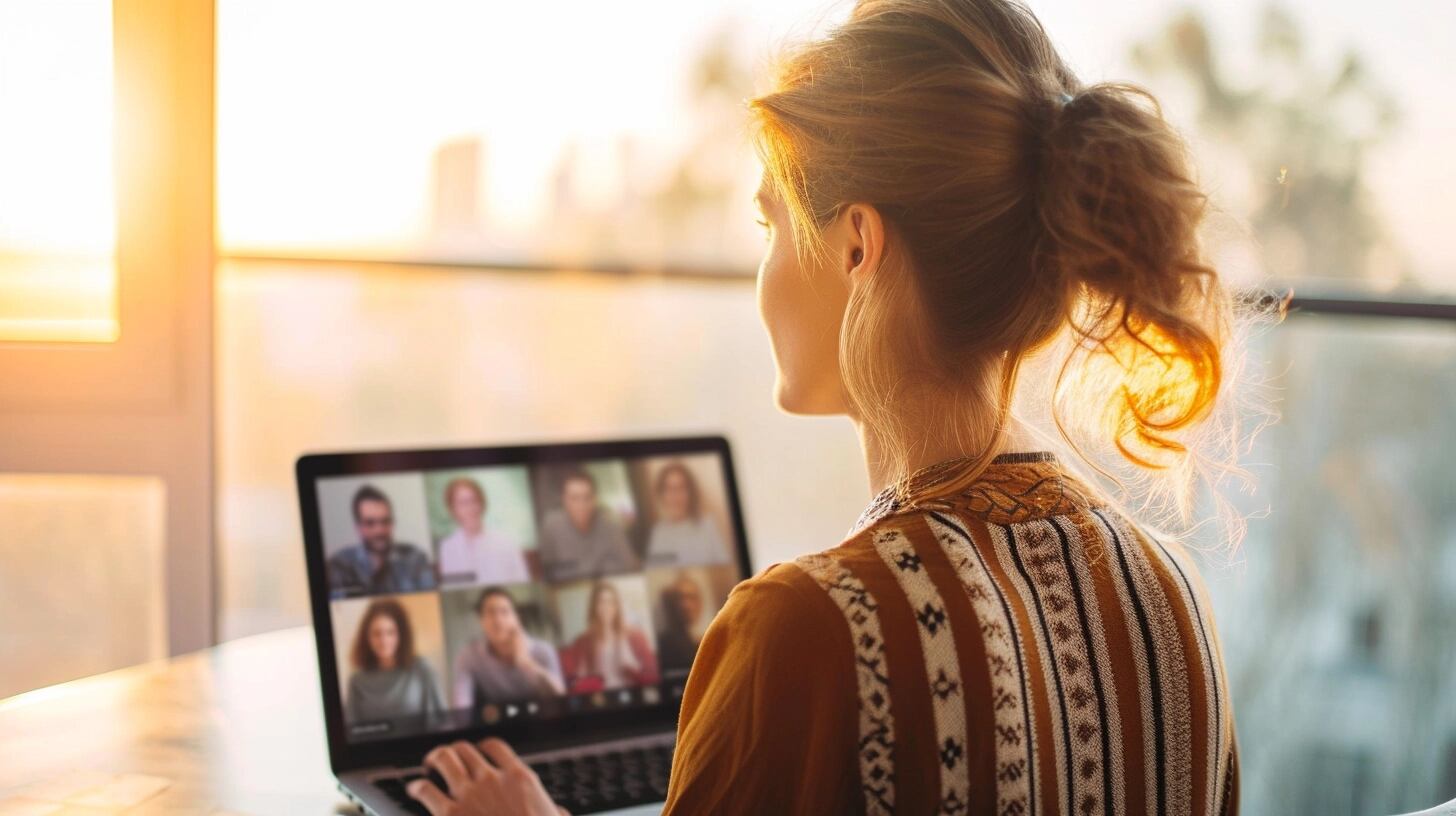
683, 534
389, 679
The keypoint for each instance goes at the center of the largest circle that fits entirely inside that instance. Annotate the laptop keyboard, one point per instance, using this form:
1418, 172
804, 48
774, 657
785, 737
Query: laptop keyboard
394, 788
610, 780
581, 784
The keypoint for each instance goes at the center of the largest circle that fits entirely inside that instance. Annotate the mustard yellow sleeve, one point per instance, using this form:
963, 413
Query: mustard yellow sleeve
770, 714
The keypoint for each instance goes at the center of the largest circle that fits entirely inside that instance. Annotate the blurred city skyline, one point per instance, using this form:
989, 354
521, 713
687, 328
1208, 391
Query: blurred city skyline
592, 154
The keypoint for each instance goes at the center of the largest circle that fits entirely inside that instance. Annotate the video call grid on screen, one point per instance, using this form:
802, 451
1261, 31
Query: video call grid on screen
468, 596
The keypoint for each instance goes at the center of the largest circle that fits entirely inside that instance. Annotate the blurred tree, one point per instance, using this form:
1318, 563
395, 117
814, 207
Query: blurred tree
1305, 133
698, 194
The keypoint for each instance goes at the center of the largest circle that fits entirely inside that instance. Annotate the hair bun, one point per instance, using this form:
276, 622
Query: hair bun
1120, 213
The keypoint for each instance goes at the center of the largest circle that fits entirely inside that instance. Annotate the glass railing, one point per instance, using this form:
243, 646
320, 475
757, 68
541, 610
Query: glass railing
1337, 613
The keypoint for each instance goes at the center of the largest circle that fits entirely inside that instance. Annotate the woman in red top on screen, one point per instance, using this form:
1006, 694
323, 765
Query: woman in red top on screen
611, 653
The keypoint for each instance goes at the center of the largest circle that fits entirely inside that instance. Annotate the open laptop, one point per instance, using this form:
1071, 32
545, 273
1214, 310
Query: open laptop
552, 595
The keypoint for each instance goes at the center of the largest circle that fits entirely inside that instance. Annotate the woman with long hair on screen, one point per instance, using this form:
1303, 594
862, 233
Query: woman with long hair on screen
683, 534
949, 210
611, 653
389, 681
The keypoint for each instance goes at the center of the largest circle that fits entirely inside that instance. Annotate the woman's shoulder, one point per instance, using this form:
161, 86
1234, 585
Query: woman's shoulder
884, 558
798, 590
771, 627
861, 551
820, 593
779, 592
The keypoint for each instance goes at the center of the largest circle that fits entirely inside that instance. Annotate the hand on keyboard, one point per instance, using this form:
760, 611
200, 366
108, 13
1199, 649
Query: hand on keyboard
502, 785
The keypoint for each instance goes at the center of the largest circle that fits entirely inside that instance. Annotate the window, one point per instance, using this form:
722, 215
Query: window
1335, 614
57, 218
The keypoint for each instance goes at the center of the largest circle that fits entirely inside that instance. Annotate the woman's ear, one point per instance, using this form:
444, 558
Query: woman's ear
862, 240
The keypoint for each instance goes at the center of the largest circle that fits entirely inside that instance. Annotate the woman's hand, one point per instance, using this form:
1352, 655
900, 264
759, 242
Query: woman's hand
504, 785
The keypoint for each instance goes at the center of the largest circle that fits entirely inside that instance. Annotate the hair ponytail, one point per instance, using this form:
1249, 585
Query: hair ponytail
1120, 215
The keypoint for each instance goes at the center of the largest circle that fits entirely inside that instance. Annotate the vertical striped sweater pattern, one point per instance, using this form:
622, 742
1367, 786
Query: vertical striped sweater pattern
1068, 657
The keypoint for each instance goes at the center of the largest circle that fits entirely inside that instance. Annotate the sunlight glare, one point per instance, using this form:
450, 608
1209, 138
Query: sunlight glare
57, 187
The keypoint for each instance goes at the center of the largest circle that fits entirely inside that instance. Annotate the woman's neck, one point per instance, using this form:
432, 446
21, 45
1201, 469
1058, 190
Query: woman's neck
882, 470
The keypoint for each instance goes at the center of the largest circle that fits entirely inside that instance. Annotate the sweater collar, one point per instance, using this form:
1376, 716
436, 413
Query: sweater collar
1015, 487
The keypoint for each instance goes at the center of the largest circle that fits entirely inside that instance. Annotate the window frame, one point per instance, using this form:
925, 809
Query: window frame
143, 404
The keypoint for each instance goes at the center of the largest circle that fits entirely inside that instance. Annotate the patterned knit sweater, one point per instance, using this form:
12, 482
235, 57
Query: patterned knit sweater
1016, 649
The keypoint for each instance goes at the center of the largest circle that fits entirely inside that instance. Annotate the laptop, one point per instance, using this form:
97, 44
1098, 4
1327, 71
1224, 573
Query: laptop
552, 595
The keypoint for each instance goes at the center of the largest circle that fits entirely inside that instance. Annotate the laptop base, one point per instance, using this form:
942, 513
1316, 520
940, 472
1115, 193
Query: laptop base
625, 777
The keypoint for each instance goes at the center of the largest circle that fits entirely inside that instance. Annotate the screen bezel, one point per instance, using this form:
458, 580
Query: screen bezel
525, 735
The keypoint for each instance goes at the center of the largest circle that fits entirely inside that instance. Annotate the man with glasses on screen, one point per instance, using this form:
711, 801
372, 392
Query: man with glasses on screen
378, 564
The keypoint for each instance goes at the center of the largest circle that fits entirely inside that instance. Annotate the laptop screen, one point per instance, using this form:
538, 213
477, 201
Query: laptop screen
507, 589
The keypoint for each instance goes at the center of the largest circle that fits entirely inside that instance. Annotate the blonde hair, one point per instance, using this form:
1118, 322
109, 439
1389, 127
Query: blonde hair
1020, 207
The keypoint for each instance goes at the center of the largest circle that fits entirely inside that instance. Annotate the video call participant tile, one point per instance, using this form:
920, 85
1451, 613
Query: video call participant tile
376, 535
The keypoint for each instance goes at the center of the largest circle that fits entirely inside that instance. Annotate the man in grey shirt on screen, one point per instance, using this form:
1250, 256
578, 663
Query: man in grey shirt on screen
504, 664
582, 539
